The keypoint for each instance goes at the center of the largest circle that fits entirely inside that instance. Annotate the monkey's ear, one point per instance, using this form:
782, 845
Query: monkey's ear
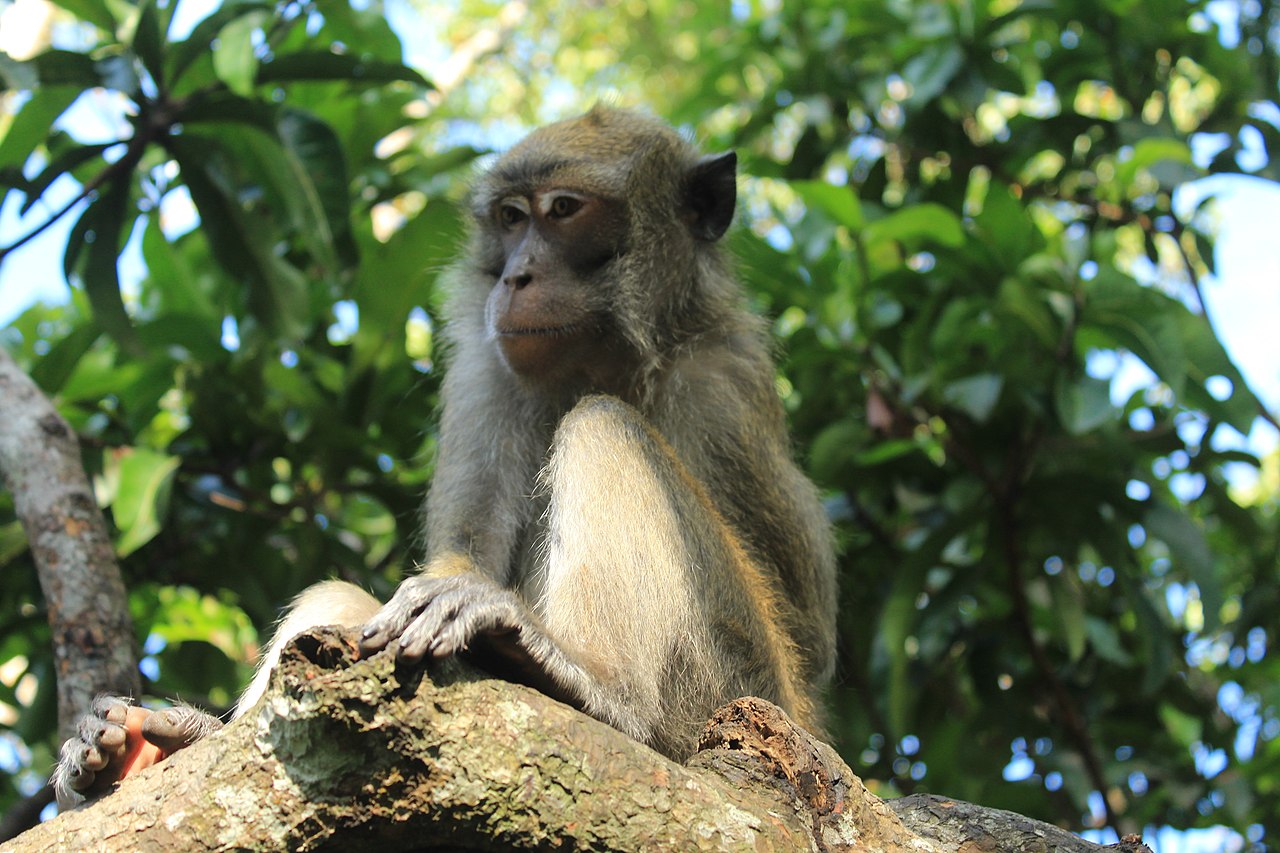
712, 194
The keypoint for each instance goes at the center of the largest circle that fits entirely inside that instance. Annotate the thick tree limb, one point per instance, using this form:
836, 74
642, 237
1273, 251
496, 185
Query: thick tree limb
346, 754
93, 643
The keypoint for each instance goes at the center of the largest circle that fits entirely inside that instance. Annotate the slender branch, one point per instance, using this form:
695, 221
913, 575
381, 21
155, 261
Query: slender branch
25, 814
126, 163
1069, 715
1194, 279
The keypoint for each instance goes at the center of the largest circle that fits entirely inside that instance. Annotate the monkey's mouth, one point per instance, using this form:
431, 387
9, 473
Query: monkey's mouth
538, 331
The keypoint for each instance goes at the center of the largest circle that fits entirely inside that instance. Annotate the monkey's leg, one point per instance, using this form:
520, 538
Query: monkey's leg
646, 586
325, 603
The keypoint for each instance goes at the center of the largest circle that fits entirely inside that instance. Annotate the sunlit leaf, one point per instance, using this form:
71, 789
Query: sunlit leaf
324, 65
235, 55
33, 122
144, 479
182, 54
1190, 551
97, 235
921, 223
1083, 404
840, 203
976, 395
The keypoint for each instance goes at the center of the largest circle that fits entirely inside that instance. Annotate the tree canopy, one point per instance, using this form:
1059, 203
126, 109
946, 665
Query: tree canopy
963, 220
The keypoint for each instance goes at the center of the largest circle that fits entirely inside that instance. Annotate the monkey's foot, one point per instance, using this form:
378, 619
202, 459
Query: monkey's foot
119, 739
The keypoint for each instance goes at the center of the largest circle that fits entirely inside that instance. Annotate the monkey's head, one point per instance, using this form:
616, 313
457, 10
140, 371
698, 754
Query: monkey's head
594, 238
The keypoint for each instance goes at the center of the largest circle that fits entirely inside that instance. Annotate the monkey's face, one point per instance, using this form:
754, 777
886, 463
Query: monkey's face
548, 308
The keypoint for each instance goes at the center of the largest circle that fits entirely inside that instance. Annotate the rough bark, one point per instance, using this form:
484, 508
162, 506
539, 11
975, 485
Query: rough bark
347, 754
93, 643
960, 827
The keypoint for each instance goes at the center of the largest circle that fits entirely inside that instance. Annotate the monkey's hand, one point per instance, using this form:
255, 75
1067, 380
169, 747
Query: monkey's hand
117, 740
439, 617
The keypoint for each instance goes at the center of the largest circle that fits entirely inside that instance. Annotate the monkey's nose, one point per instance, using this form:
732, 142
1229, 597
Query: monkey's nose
518, 281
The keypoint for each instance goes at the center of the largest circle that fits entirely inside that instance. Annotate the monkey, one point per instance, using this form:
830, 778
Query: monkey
615, 517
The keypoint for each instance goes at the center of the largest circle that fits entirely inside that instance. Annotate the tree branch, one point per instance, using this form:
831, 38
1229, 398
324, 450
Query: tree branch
355, 755
93, 643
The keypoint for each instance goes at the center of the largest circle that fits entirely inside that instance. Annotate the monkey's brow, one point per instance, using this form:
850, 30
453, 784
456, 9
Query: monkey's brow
531, 172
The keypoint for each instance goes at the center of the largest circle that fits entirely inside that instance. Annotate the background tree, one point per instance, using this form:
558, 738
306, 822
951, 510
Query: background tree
1058, 596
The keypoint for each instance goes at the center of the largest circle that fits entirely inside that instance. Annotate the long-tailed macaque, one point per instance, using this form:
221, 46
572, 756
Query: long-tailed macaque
615, 517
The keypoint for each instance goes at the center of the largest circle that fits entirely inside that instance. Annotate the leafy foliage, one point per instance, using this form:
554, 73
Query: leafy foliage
963, 217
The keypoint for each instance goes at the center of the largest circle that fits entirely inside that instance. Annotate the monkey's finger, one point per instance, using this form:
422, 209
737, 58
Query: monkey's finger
421, 634
91, 759
106, 740
412, 597
376, 636
113, 709
172, 729
496, 616
80, 778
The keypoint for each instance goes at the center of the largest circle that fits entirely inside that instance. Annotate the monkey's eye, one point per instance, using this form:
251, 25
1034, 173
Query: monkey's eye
509, 216
563, 206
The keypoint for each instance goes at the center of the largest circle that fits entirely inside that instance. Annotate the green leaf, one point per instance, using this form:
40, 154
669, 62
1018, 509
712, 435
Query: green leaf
1149, 152
1006, 227
66, 68
317, 170
839, 203
184, 288
395, 276
148, 42
243, 240
1069, 607
1156, 650
885, 451
931, 70
143, 482
198, 43
975, 395
1104, 639
326, 65
917, 224
835, 445
187, 615
13, 542
1139, 319
898, 619
235, 58
1083, 404
95, 12
33, 123
1189, 550
99, 228
1182, 727
51, 371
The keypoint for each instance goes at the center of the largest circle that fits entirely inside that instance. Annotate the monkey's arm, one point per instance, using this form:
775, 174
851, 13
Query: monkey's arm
487, 461
763, 495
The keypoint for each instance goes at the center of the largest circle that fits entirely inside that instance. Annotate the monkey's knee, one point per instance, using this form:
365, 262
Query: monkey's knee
329, 603
325, 603
603, 434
